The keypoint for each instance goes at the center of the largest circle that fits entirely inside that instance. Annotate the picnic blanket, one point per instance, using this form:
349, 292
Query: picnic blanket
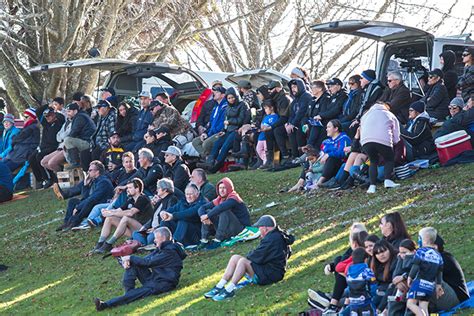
17, 197
248, 233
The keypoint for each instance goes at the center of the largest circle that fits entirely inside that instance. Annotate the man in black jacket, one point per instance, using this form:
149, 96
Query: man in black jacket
436, 96
373, 90
321, 102
397, 95
82, 128
159, 272
265, 265
175, 169
277, 134
51, 122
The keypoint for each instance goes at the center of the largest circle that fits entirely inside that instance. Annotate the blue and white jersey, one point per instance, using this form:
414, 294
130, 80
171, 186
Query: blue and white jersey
430, 263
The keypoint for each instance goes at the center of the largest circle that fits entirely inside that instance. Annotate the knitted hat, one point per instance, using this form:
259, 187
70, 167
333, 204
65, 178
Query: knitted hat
369, 74
31, 112
9, 118
418, 106
457, 101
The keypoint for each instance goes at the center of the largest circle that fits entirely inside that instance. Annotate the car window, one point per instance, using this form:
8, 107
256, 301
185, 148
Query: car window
179, 78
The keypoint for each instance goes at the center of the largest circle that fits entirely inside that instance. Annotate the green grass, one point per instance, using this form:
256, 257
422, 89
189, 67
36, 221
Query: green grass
50, 273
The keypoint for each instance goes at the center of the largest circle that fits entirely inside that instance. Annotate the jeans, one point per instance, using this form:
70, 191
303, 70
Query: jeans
96, 213
147, 239
222, 146
75, 220
185, 232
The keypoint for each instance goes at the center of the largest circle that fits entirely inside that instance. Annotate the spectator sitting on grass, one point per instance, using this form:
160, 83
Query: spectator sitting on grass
318, 298
127, 218
264, 265
393, 229
10, 130
164, 199
227, 214
6, 183
183, 218
207, 189
159, 272
96, 188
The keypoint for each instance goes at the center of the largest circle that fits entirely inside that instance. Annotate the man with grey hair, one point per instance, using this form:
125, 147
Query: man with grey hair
164, 199
159, 272
207, 189
398, 96
150, 171
264, 265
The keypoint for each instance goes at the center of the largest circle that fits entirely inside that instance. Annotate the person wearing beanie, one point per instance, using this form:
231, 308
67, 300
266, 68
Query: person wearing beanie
397, 95
461, 119
466, 81
436, 96
417, 133
10, 130
25, 143
300, 73
450, 76
373, 90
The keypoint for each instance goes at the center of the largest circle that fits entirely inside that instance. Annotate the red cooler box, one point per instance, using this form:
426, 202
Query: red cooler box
451, 145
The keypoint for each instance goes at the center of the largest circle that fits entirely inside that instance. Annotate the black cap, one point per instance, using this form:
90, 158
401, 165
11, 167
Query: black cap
49, 110
244, 84
109, 89
334, 81
162, 129
436, 72
274, 84
114, 133
220, 89
73, 106
156, 103
104, 104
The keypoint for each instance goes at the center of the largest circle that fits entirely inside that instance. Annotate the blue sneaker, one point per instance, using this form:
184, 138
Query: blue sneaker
223, 295
213, 245
215, 290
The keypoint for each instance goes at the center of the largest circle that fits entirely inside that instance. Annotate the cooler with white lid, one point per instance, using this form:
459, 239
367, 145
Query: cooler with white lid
451, 145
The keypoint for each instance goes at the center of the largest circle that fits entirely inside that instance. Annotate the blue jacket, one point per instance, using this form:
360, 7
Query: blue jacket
6, 178
216, 122
240, 210
299, 105
269, 259
7, 137
335, 147
184, 211
165, 263
268, 120
145, 118
99, 191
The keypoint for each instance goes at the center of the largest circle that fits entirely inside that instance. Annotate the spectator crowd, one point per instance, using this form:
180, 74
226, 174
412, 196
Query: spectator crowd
146, 177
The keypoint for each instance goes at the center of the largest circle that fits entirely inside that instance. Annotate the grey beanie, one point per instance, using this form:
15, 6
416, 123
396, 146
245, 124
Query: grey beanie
457, 101
166, 185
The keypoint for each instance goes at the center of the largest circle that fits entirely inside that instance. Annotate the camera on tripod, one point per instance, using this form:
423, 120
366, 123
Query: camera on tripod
411, 64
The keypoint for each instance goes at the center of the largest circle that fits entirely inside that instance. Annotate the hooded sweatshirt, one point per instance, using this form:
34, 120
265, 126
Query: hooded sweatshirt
236, 112
450, 76
379, 125
301, 100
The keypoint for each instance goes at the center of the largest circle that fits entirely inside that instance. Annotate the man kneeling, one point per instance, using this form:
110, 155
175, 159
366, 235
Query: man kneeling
264, 265
158, 272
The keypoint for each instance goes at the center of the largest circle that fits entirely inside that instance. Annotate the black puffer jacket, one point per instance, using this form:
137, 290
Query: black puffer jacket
334, 109
269, 259
282, 105
437, 101
178, 172
372, 93
165, 263
450, 76
49, 143
237, 112
419, 135
316, 105
82, 126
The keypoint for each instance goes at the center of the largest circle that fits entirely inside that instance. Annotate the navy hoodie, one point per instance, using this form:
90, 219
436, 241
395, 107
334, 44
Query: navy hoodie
301, 101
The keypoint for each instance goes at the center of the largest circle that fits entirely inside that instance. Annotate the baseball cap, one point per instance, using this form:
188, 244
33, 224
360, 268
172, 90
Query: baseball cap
436, 72
48, 111
104, 104
334, 81
109, 89
274, 84
265, 221
144, 94
173, 150
72, 106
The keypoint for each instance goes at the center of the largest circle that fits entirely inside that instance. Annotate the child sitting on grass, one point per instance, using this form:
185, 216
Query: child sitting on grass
359, 277
426, 273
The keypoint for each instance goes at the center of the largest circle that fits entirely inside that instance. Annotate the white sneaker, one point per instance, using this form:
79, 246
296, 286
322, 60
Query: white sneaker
390, 184
371, 189
81, 227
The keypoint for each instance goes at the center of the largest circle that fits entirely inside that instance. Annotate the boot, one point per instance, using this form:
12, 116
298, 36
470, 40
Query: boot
269, 163
349, 183
210, 162
363, 180
244, 150
257, 164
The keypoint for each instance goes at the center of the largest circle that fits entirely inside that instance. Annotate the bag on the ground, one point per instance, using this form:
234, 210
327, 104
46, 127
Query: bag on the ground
405, 171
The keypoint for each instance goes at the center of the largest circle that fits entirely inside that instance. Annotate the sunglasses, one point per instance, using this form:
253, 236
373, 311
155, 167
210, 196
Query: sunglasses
466, 54
432, 76
453, 107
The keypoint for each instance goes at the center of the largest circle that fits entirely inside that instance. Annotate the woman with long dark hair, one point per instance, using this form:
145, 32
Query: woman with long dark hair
393, 229
383, 264
126, 119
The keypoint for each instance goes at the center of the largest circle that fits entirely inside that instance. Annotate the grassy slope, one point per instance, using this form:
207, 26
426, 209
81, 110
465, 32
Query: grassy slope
50, 273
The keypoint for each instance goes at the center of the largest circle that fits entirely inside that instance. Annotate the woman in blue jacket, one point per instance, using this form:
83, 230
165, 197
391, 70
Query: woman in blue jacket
8, 133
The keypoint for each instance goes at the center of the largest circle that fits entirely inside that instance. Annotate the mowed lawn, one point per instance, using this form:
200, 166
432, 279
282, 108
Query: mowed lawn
50, 274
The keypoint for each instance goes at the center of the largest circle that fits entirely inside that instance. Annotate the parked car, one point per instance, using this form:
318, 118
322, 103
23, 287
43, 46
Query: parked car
128, 78
408, 49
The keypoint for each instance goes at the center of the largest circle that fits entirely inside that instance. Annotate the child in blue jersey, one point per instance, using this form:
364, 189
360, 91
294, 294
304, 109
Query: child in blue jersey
426, 273
359, 277
267, 123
